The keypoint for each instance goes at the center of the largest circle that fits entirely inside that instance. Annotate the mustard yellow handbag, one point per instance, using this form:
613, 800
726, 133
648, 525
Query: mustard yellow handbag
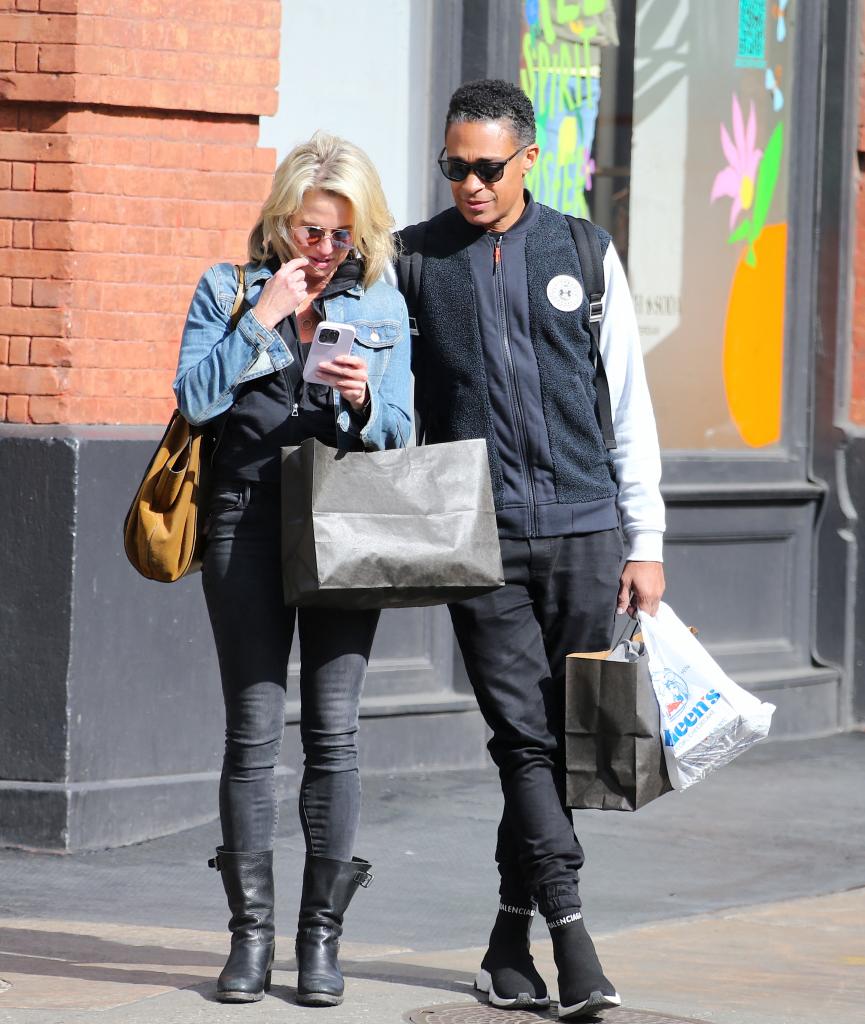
161, 533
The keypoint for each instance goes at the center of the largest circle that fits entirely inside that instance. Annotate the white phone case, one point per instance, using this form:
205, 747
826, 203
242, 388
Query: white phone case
329, 341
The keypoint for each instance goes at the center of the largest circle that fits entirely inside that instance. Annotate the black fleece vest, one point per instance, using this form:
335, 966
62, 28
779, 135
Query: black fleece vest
452, 386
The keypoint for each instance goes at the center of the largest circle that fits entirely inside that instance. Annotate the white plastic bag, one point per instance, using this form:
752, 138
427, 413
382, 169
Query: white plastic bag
706, 718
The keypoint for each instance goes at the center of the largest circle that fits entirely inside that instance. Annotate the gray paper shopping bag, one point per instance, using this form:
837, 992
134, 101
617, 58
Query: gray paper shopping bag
614, 757
401, 528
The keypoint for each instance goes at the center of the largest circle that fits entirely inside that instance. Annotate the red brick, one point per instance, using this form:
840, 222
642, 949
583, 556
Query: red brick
59, 6
37, 28
5, 175
58, 57
110, 324
22, 291
5, 233
54, 409
8, 117
51, 352
17, 409
51, 293
55, 177
27, 5
53, 235
30, 380
19, 351
3, 409
33, 263
45, 88
26, 57
35, 205
5, 291
41, 146
22, 234
7, 56
30, 321
22, 176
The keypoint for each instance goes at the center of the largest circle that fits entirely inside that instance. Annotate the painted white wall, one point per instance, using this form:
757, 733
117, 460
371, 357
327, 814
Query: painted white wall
359, 69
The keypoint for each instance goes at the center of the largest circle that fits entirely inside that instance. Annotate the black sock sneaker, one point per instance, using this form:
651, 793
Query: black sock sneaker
508, 974
583, 989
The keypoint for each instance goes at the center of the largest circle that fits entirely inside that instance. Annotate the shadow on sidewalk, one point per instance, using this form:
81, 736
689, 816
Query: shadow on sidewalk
89, 958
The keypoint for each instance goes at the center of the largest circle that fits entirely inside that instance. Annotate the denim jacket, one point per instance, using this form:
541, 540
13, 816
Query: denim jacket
214, 361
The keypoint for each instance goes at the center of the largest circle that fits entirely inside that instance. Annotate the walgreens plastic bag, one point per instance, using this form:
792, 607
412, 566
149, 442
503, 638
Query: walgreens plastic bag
706, 718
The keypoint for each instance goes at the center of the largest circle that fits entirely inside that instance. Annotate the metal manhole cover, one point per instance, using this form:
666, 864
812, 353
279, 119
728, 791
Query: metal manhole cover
479, 1013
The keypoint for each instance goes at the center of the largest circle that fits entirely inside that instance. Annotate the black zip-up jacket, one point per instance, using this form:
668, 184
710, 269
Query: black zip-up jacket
495, 358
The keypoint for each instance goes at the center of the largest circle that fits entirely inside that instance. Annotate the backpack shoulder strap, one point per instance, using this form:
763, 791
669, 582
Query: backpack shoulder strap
592, 265
409, 266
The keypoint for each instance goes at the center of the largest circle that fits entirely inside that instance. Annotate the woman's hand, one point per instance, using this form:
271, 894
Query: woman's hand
282, 294
348, 374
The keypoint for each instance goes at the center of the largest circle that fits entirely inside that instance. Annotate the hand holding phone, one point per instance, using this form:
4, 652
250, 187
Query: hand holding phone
329, 341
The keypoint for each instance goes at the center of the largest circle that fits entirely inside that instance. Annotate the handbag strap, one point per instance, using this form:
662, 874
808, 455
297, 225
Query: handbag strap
237, 309
592, 265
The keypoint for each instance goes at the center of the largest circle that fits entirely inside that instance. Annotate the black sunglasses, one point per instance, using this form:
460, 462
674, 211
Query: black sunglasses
487, 170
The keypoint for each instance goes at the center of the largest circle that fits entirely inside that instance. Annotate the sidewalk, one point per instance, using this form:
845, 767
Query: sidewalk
740, 901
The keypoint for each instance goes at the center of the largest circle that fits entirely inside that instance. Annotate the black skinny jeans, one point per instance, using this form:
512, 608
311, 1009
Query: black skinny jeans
253, 628
559, 597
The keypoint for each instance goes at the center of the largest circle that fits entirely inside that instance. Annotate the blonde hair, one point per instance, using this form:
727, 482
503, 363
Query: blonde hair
334, 165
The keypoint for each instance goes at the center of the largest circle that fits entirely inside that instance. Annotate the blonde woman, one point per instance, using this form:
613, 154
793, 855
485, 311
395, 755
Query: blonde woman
317, 251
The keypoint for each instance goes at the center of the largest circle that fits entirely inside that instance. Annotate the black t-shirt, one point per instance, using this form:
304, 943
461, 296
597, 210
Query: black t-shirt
270, 413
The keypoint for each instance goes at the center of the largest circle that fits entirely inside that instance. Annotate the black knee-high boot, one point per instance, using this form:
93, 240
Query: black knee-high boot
508, 974
328, 886
248, 882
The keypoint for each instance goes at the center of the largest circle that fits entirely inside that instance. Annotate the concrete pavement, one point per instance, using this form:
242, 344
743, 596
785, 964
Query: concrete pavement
740, 901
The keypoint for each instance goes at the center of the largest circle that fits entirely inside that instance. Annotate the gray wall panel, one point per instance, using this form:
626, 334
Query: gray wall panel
740, 574
37, 509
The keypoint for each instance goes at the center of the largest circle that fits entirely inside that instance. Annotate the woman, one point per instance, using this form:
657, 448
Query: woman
317, 252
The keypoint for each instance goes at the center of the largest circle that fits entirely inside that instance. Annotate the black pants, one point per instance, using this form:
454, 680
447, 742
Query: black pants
253, 630
559, 597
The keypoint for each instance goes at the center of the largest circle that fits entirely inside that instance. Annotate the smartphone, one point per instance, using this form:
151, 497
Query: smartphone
329, 341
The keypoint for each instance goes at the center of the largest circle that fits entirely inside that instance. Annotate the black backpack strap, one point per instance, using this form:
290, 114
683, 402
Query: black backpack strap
409, 266
592, 265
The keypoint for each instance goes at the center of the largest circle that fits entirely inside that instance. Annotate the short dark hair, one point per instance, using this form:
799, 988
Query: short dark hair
493, 99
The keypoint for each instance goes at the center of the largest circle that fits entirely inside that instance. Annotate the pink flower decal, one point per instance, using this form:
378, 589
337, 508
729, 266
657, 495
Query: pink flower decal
738, 178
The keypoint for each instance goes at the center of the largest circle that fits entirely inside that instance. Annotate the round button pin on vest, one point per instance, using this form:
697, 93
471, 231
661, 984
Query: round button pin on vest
565, 292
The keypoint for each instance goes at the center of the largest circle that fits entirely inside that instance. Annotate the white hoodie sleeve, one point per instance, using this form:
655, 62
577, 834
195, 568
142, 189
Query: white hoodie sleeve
637, 459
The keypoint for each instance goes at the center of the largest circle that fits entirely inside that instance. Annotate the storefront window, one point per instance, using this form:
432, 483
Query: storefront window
668, 124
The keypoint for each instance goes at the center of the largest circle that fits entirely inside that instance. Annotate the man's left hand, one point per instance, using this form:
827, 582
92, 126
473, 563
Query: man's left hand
642, 587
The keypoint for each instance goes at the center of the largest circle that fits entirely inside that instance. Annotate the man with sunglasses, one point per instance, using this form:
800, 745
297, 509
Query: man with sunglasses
503, 350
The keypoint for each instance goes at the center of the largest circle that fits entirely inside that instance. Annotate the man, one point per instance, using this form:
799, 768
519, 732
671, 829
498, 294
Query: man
504, 352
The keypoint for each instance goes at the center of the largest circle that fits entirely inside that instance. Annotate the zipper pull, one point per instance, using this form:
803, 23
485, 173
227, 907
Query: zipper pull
497, 252
294, 410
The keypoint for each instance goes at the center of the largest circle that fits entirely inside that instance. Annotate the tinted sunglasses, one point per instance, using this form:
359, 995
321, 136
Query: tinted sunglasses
308, 234
488, 171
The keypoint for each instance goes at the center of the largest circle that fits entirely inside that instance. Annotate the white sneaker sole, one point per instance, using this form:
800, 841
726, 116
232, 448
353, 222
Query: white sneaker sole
524, 1001
596, 1001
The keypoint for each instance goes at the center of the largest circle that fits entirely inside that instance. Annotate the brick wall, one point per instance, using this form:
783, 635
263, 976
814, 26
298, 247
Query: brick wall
857, 376
128, 164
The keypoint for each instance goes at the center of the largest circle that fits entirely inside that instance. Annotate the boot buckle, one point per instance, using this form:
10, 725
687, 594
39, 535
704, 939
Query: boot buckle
213, 862
363, 878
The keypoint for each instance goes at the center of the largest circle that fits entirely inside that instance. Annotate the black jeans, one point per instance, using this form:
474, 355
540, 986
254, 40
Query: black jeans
253, 629
559, 597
